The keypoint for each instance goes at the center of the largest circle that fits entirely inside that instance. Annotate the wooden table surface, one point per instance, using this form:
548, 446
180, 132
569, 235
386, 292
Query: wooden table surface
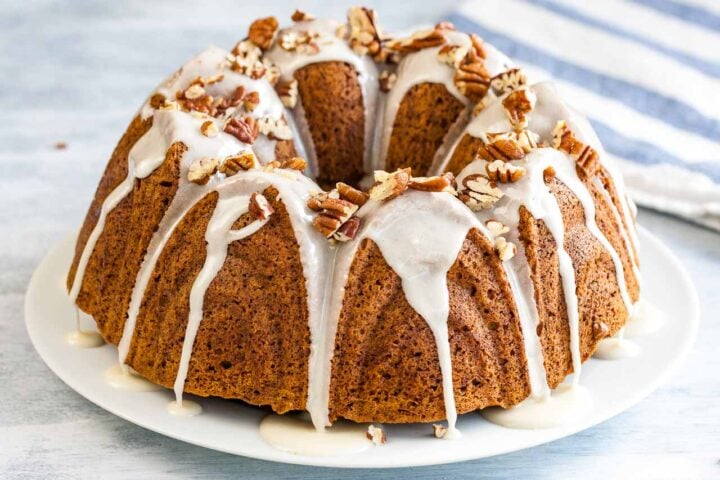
75, 72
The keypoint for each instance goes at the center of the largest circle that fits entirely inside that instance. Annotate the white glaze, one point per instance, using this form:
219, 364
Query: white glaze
126, 379
218, 236
184, 408
295, 434
419, 235
84, 339
616, 348
646, 319
566, 404
532, 193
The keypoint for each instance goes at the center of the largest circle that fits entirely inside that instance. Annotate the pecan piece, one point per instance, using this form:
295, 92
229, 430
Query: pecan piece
365, 36
504, 172
294, 163
202, 169
209, 129
288, 92
251, 101
479, 192
518, 104
452, 55
387, 80
348, 230
439, 430
260, 207
496, 228
585, 156
262, 32
508, 81
471, 77
418, 41
501, 148
300, 16
390, 185
235, 163
352, 194
246, 129
505, 250
376, 434
441, 183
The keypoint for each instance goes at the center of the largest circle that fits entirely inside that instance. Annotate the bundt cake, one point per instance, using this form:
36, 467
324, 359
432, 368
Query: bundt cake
493, 251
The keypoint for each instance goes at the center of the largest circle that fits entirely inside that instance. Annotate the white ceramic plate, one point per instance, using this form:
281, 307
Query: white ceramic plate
233, 427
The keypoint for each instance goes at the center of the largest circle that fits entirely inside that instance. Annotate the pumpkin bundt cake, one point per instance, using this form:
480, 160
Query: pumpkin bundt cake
492, 253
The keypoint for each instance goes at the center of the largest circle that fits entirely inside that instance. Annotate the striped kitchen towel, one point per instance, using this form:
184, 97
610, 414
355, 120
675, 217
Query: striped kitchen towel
646, 73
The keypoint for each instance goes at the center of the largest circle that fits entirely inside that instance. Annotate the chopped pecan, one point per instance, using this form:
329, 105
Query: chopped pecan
496, 228
376, 434
548, 174
260, 207
235, 163
365, 37
262, 32
326, 225
452, 55
505, 250
479, 192
294, 163
444, 25
390, 185
202, 169
586, 157
352, 194
194, 91
300, 16
508, 81
275, 129
288, 92
251, 101
471, 77
300, 41
418, 41
439, 430
527, 140
518, 104
504, 172
348, 230
387, 80
245, 129
209, 129
441, 183
477, 46
157, 100
501, 148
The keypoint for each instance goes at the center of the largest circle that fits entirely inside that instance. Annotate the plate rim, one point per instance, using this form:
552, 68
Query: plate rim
693, 320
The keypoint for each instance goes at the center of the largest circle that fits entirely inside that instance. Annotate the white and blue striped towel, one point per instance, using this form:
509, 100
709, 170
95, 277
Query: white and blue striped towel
646, 73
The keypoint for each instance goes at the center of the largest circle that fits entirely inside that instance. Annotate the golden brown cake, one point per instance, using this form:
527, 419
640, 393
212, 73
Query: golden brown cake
492, 253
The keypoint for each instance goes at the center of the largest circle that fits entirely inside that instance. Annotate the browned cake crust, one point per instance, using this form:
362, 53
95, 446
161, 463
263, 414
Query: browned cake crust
112, 268
463, 154
423, 119
332, 100
385, 365
597, 290
253, 342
